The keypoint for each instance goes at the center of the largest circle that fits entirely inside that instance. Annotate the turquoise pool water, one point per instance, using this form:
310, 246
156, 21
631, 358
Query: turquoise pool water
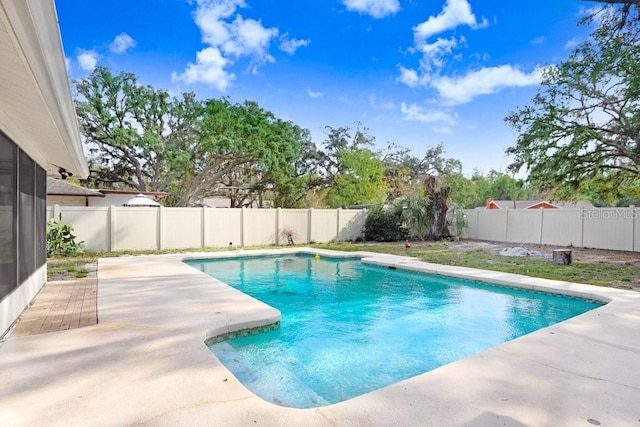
348, 328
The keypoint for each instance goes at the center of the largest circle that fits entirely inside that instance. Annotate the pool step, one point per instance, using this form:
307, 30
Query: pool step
273, 383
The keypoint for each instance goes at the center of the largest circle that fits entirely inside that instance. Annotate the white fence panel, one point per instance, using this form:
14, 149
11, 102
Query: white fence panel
259, 227
297, 222
492, 225
181, 228
562, 227
89, 225
471, 230
599, 228
135, 228
351, 223
608, 228
223, 227
524, 226
324, 225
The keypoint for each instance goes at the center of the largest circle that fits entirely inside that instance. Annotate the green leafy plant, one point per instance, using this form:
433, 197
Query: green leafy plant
457, 220
417, 214
384, 225
61, 240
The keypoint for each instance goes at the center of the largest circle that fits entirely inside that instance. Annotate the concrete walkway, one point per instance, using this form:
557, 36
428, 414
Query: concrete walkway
146, 362
61, 305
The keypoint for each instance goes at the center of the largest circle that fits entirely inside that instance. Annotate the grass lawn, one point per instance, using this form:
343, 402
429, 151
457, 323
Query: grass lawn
594, 273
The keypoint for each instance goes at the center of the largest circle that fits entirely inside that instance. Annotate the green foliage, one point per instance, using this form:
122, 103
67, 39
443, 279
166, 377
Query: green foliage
360, 179
243, 153
585, 121
457, 220
472, 192
384, 225
406, 174
61, 240
417, 213
136, 136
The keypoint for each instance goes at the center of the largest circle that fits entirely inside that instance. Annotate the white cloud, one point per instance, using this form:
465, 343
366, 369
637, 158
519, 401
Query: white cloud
409, 77
313, 94
375, 8
572, 44
433, 53
229, 36
380, 105
292, 45
454, 14
414, 112
209, 69
249, 38
88, 60
485, 81
538, 40
121, 43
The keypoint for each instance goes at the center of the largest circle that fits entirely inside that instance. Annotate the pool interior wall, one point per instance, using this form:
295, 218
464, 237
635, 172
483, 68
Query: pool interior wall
307, 367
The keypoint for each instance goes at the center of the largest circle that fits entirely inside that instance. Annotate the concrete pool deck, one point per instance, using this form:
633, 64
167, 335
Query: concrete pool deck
145, 362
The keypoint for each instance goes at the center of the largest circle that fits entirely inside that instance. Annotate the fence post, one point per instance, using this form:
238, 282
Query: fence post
310, 225
278, 222
541, 223
633, 227
112, 228
243, 225
204, 227
582, 215
160, 231
56, 211
363, 216
338, 224
506, 227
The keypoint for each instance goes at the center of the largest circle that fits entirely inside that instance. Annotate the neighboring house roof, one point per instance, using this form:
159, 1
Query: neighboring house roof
534, 204
58, 187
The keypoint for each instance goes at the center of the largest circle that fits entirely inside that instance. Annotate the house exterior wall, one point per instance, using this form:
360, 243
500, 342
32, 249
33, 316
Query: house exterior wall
22, 230
110, 200
38, 136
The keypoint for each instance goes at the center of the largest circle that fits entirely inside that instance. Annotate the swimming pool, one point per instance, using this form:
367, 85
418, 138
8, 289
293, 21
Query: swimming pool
348, 328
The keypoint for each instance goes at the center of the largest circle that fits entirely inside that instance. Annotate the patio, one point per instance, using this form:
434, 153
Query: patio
145, 362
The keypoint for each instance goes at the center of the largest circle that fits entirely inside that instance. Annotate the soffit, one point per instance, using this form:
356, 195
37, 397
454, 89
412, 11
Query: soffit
36, 108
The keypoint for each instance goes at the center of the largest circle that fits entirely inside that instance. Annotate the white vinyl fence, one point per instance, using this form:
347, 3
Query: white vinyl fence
130, 228
600, 228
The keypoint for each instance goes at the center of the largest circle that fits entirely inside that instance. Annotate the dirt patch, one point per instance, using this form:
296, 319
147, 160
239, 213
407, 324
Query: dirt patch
578, 254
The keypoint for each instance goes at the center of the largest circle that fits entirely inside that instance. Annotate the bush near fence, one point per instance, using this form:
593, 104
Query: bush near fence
118, 228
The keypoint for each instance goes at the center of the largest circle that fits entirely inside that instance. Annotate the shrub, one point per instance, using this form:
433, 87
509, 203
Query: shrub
384, 225
457, 220
289, 235
61, 240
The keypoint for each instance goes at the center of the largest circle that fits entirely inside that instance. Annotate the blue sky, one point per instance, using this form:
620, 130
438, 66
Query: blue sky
415, 72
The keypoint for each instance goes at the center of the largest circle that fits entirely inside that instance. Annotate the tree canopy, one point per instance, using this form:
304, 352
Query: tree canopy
142, 138
135, 135
585, 121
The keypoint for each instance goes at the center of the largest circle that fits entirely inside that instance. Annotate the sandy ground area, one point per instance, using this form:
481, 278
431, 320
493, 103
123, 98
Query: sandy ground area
578, 254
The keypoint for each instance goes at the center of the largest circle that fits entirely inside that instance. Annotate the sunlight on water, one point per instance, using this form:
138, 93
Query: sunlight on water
348, 328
